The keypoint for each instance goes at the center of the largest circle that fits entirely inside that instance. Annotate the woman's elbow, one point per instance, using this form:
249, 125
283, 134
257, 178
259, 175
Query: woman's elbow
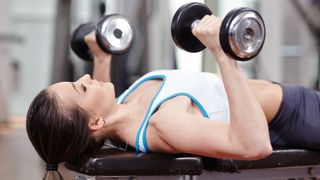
257, 152
263, 152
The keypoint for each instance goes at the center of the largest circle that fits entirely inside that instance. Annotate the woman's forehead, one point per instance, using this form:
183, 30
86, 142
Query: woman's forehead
63, 90
60, 86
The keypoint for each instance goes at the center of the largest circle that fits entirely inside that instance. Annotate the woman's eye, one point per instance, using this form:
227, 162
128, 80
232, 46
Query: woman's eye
83, 87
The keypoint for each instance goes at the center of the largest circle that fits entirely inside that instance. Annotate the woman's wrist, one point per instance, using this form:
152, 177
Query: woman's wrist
101, 68
218, 53
227, 64
102, 58
223, 59
220, 56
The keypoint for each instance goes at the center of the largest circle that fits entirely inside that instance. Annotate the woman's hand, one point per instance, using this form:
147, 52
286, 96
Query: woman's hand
97, 52
207, 31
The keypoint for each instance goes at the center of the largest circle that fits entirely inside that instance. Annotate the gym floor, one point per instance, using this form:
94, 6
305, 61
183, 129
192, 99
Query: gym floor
19, 160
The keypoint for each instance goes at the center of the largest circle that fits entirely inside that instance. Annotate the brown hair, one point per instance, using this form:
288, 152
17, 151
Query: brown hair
58, 132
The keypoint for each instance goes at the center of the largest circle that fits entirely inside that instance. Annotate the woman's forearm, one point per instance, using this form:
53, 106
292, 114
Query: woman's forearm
101, 68
101, 59
248, 124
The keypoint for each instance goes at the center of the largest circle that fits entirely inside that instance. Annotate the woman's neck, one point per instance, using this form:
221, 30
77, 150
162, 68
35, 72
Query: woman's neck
116, 124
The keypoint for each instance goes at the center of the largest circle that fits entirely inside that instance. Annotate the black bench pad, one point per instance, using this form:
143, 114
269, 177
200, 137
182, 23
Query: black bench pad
114, 162
278, 159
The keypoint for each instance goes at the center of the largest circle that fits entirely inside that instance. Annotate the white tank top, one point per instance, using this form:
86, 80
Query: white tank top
206, 91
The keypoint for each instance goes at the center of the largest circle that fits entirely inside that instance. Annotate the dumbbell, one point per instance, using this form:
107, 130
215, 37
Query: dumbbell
114, 35
242, 32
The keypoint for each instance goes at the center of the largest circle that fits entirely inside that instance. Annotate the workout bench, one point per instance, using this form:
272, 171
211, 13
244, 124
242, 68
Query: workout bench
108, 163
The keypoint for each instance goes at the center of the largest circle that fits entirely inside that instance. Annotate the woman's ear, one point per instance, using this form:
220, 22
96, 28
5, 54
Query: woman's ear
96, 124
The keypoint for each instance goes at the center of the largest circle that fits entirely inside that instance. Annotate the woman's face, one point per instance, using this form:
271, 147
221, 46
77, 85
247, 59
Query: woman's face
94, 96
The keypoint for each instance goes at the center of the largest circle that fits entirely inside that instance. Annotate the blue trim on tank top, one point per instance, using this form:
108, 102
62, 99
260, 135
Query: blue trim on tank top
138, 84
163, 77
198, 104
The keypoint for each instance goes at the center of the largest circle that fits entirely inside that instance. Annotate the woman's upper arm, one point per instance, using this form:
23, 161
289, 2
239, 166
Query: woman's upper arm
186, 133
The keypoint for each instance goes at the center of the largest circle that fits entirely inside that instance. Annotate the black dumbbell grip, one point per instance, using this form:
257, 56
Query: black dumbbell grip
181, 26
78, 45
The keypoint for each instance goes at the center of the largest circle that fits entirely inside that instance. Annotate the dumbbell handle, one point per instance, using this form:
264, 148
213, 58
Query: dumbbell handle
194, 24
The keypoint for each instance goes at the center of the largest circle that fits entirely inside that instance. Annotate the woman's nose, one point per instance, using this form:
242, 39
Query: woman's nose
85, 79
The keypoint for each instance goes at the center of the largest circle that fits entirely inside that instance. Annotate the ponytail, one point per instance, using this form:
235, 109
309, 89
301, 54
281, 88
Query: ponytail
52, 172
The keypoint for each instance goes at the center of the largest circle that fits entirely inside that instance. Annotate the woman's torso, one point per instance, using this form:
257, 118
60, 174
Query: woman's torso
151, 96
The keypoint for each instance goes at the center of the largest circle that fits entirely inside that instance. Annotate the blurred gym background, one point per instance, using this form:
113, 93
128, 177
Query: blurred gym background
35, 52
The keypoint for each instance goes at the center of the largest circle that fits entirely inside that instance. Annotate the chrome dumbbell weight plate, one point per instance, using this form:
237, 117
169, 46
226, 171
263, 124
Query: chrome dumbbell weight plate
242, 34
181, 26
114, 34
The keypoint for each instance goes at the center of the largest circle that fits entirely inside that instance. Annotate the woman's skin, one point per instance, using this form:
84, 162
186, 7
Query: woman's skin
178, 125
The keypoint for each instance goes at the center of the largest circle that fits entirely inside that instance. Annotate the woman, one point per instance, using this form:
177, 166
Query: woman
168, 111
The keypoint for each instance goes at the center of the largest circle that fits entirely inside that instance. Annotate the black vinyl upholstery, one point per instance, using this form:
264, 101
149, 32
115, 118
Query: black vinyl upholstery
114, 162
280, 158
